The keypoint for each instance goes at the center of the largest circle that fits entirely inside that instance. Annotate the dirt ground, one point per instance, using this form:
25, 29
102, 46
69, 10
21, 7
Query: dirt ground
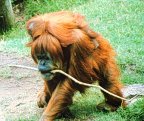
18, 88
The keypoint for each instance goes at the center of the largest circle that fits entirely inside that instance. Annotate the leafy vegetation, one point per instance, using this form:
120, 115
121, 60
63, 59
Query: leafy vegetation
121, 22
43, 6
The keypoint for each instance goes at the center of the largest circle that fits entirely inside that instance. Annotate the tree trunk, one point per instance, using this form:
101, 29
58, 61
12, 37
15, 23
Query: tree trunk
6, 15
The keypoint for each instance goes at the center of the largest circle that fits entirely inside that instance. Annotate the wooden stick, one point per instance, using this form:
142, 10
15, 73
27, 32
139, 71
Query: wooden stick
89, 85
76, 81
21, 66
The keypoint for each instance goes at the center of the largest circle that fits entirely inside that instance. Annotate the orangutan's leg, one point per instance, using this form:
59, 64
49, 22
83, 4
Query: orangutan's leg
111, 102
45, 94
111, 83
61, 98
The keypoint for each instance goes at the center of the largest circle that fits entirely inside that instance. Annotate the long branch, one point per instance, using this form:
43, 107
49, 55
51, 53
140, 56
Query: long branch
76, 81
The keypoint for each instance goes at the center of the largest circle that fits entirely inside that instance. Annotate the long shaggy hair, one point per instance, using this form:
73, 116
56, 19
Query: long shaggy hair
77, 50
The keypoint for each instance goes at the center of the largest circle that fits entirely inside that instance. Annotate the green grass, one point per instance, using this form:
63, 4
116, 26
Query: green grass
84, 108
43, 6
121, 22
5, 72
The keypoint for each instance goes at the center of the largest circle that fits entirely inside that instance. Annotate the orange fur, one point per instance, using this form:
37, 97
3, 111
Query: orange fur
70, 42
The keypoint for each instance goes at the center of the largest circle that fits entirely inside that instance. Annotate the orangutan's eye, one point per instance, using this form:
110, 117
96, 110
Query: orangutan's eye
46, 57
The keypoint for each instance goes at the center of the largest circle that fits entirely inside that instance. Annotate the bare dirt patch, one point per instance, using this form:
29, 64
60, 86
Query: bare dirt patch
18, 88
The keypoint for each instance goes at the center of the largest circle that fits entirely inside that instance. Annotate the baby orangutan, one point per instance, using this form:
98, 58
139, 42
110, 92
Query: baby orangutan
63, 40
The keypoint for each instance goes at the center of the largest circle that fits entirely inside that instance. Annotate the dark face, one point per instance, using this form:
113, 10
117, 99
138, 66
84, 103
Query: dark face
45, 65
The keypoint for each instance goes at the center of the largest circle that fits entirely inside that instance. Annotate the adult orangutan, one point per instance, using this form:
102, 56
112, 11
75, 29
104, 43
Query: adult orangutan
63, 40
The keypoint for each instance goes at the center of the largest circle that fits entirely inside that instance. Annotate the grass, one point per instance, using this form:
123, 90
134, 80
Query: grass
121, 22
5, 72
